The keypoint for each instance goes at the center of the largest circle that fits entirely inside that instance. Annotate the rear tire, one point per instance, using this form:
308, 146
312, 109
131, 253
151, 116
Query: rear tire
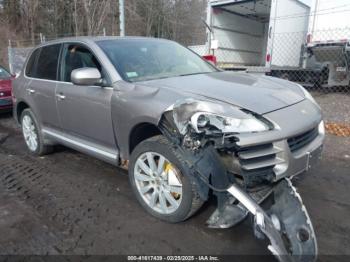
162, 181
32, 134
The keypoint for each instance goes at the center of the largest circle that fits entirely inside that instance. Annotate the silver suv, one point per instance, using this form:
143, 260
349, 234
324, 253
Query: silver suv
181, 126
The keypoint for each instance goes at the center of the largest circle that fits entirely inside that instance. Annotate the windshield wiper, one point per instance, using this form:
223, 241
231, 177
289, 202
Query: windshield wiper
198, 73
140, 79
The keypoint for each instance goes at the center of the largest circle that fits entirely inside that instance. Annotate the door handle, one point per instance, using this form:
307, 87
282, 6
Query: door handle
30, 91
60, 97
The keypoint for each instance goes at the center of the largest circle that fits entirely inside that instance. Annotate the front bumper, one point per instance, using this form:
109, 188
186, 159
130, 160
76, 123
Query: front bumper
234, 164
286, 223
6, 103
292, 148
294, 163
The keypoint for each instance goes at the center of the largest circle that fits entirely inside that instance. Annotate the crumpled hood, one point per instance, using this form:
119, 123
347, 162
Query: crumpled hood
260, 94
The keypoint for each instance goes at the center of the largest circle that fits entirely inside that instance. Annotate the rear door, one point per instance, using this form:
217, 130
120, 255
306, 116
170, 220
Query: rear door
85, 111
41, 71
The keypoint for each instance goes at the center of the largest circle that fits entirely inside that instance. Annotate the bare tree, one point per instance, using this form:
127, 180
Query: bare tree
23, 20
179, 20
29, 11
95, 14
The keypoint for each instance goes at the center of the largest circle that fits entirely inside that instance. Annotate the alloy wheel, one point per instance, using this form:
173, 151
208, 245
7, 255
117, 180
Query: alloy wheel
29, 133
158, 182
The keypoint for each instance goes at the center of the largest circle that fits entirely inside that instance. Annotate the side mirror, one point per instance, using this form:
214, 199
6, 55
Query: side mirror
86, 76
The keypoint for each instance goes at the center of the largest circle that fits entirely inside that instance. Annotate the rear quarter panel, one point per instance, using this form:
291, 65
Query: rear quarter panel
19, 86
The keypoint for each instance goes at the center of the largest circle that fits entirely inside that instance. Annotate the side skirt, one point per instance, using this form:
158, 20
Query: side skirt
101, 152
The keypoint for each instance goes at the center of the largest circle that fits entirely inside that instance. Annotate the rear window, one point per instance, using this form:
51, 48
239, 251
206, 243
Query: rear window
31, 63
46, 66
4, 74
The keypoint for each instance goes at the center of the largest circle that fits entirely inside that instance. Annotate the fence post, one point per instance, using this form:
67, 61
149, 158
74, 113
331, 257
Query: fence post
9, 50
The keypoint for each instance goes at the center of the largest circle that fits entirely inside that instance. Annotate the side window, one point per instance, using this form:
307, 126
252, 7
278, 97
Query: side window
30, 69
77, 56
47, 63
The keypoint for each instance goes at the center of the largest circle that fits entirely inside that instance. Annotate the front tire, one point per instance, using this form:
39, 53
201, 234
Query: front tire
32, 135
159, 182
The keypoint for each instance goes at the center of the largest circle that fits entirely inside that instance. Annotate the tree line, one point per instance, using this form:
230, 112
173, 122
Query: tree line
28, 22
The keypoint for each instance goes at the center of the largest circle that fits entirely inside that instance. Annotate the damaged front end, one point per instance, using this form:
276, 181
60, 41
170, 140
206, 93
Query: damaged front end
205, 134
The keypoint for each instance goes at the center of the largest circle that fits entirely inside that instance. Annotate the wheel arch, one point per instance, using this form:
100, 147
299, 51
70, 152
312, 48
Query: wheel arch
20, 107
141, 132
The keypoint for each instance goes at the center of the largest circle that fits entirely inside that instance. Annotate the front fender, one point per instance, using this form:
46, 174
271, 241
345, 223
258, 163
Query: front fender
135, 104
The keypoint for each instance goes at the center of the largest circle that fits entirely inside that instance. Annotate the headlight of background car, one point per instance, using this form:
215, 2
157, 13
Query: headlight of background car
202, 120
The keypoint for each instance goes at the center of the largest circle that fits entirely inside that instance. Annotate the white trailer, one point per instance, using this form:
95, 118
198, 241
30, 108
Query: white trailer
282, 38
265, 34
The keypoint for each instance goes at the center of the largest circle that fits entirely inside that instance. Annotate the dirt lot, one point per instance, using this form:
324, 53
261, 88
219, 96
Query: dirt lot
69, 203
335, 106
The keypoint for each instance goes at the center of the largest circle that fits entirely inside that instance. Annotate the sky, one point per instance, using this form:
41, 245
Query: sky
331, 14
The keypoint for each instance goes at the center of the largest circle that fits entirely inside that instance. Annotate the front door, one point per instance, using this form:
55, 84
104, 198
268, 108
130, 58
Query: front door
84, 111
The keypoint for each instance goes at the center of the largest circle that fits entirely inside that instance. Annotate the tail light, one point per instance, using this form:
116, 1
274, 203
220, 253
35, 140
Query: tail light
308, 38
268, 58
210, 58
5, 93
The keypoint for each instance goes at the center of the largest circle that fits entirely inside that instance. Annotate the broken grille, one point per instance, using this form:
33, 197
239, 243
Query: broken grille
297, 142
258, 157
257, 163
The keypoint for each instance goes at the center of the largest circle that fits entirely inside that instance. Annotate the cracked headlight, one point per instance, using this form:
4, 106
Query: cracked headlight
212, 116
202, 120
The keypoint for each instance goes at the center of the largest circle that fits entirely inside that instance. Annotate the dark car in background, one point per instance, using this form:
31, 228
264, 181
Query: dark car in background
5, 90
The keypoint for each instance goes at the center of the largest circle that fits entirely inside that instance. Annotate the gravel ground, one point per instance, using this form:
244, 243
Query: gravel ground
335, 106
70, 203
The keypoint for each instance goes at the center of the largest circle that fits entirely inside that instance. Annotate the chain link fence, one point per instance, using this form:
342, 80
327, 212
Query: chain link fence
17, 57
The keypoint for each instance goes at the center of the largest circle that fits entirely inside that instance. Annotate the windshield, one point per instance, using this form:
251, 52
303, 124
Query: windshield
4, 74
146, 59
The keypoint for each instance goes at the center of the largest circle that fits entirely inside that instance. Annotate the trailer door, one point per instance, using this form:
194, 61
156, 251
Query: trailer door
239, 26
287, 33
